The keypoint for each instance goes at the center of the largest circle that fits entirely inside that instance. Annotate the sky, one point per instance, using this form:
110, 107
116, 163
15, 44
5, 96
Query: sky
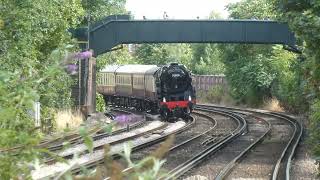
177, 9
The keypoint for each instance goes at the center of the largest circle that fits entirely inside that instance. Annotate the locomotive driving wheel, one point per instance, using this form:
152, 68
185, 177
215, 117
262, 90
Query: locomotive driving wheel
165, 113
188, 110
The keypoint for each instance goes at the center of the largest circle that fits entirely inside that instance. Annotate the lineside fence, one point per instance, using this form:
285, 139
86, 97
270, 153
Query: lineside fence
207, 82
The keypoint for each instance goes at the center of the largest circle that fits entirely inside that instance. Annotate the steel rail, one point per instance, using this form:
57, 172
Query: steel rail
226, 170
291, 146
288, 152
188, 140
184, 167
73, 138
284, 151
199, 135
69, 156
100, 160
70, 137
96, 135
91, 164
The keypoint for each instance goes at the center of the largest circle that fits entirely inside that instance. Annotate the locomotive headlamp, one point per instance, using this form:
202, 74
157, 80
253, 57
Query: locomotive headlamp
189, 98
164, 99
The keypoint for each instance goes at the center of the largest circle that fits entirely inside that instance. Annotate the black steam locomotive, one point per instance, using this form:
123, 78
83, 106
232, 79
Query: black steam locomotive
165, 89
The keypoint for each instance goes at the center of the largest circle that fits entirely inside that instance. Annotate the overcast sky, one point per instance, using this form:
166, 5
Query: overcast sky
177, 9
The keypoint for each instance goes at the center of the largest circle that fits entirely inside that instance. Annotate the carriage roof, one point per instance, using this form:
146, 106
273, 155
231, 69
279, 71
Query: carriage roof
110, 68
138, 69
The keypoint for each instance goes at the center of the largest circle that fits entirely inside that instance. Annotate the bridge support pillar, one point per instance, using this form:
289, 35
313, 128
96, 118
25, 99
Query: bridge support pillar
84, 92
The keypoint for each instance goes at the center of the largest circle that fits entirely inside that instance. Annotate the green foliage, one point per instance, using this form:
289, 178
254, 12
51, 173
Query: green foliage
148, 168
48, 123
153, 54
252, 9
199, 58
99, 9
16, 124
34, 39
100, 103
248, 68
31, 72
206, 59
218, 94
303, 18
288, 87
314, 128
257, 72
121, 56
87, 139
249, 72
181, 53
29, 41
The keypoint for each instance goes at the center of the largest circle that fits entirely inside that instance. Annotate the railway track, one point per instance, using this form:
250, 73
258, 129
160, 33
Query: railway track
100, 134
282, 164
90, 160
254, 136
183, 141
211, 143
213, 146
111, 140
73, 138
257, 135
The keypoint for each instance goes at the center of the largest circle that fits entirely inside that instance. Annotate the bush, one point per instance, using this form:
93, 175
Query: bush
314, 128
101, 104
16, 125
218, 94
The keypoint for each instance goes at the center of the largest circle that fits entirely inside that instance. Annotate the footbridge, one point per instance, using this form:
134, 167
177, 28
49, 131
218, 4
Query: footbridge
104, 35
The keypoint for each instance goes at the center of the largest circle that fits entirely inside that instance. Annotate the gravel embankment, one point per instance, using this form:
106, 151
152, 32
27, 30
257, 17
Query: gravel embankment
303, 165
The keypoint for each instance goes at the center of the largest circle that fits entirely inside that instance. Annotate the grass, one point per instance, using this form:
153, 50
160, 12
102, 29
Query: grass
216, 95
68, 120
272, 105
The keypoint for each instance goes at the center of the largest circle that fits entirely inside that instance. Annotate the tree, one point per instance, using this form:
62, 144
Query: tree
152, 54
254, 71
252, 9
120, 56
206, 59
99, 9
199, 58
303, 18
34, 39
29, 72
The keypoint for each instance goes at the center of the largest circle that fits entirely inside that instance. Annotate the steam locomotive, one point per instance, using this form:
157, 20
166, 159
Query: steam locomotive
165, 89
